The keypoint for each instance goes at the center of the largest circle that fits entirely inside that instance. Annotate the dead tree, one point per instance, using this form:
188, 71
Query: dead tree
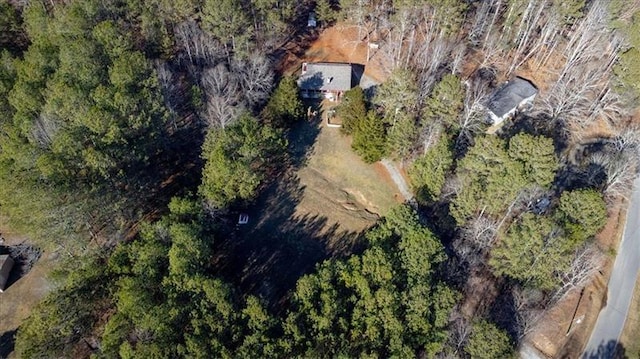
255, 78
222, 90
620, 168
529, 308
474, 113
586, 262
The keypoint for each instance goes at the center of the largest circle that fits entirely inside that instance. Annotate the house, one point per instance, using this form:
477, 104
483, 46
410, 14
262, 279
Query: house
6, 263
328, 79
512, 96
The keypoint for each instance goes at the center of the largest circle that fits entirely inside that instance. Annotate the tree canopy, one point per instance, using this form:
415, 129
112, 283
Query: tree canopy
237, 159
492, 173
385, 302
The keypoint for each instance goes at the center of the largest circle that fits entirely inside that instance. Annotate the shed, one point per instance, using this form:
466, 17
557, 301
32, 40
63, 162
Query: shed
311, 21
511, 97
6, 263
330, 79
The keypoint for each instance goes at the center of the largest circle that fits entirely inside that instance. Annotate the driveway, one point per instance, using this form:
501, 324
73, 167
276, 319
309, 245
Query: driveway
611, 320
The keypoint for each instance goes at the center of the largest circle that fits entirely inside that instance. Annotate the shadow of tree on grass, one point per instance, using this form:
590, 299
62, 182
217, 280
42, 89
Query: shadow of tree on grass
268, 255
7, 343
277, 247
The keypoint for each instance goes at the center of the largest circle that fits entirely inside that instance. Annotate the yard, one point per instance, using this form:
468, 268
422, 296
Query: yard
318, 209
20, 297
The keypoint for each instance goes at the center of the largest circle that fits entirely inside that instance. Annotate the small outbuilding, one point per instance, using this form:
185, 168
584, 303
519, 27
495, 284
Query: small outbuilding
326, 79
6, 263
311, 21
511, 97
243, 218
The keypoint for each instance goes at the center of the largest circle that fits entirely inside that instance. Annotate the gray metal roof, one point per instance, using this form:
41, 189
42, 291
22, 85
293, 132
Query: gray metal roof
326, 76
510, 95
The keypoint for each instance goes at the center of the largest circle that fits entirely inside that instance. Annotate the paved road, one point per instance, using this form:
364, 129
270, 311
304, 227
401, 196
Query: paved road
398, 179
610, 322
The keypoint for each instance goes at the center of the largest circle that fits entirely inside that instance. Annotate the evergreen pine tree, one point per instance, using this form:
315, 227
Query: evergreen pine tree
369, 138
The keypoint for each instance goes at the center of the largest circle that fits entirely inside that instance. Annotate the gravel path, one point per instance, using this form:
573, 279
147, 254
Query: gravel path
402, 185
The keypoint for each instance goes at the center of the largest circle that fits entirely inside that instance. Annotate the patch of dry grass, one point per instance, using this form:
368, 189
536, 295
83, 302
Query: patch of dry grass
630, 338
317, 209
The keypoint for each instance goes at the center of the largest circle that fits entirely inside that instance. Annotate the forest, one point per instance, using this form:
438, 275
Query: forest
133, 132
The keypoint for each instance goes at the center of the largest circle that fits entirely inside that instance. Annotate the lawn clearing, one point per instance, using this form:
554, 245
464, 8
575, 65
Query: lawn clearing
318, 209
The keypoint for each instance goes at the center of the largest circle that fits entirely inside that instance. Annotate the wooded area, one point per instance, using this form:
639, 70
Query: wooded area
132, 133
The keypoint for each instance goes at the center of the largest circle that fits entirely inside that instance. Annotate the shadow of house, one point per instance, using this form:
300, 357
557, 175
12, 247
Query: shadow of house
513, 96
6, 264
328, 79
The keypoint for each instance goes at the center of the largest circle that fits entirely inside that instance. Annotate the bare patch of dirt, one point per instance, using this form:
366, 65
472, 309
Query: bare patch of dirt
339, 43
22, 295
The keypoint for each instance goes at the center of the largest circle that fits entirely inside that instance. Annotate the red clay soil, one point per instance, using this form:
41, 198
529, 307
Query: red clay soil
339, 43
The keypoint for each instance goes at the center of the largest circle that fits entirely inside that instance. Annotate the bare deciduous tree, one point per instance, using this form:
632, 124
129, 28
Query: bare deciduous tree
585, 264
200, 48
582, 94
44, 129
170, 90
474, 112
452, 187
256, 78
475, 239
529, 309
222, 90
459, 333
620, 168
628, 140
481, 231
